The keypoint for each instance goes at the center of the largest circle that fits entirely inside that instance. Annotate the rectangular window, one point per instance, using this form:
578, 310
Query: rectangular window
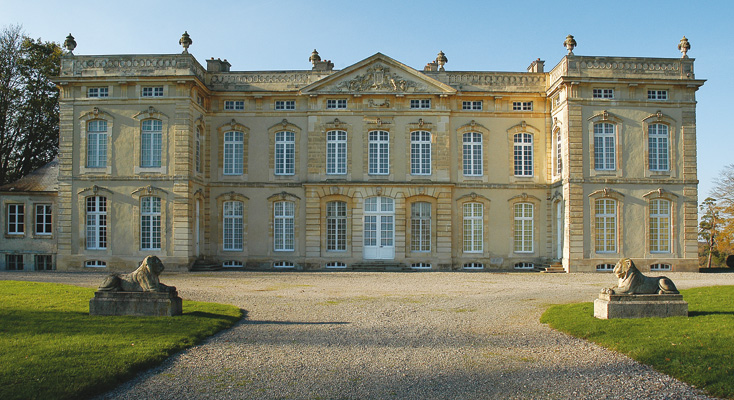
471, 105
605, 226
95, 264
97, 143
604, 147
472, 154
233, 223
657, 140
44, 225
234, 153
523, 154
150, 223
234, 105
284, 237
420, 103
152, 143
473, 227
98, 91
420, 226
197, 151
44, 262
336, 152
336, 226
559, 153
16, 219
522, 106
291, 104
14, 262
285, 153
657, 95
96, 223
336, 104
659, 211
523, 228
379, 153
420, 153
152, 91
603, 93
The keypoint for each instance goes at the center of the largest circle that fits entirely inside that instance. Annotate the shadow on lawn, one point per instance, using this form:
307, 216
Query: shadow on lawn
705, 313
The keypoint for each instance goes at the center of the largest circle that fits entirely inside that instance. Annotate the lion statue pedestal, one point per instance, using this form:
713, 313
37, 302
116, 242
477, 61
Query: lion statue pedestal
639, 296
139, 293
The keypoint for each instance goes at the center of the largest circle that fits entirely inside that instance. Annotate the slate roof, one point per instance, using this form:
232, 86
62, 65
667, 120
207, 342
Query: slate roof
44, 179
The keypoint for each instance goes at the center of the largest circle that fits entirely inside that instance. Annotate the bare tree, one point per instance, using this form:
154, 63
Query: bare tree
724, 193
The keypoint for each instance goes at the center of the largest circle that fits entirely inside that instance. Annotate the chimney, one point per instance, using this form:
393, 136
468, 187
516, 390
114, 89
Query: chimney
217, 65
536, 66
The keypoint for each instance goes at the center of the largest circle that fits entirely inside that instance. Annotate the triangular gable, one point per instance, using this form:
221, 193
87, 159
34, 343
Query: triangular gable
378, 74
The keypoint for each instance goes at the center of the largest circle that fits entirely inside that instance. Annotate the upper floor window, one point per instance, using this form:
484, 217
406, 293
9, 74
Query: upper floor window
559, 153
605, 225
379, 153
522, 106
285, 153
197, 151
473, 229
284, 234
471, 105
604, 147
659, 213
523, 154
152, 91
233, 152
336, 152
233, 223
657, 140
420, 103
420, 153
97, 143
336, 103
96, 224
291, 104
336, 226
16, 219
420, 226
150, 223
98, 91
152, 143
234, 105
472, 154
523, 227
44, 225
655, 94
603, 93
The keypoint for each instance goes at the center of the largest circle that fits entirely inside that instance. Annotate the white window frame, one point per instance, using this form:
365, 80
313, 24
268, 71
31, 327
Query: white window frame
96, 222
197, 151
379, 153
420, 153
658, 139
16, 219
234, 105
472, 154
605, 225
472, 105
420, 104
473, 265
99, 91
660, 267
44, 219
151, 91
602, 93
285, 153
657, 94
559, 153
336, 152
45, 261
285, 105
420, 226
660, 225
523, 154
283, 264
232, 225
420, 266
95, 264
97, 143
336, 104
524, 221
473, 227
605, 146
151, 143
336, 226
233, 264
234, 145
524, 266
284, 234
604, 267
335, 265
150, 223
522, 106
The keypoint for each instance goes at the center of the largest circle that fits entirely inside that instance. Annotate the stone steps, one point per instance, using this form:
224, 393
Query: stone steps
205, 265
556, 268
379, 267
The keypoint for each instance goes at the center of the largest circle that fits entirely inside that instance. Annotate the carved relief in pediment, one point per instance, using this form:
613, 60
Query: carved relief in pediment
378, 78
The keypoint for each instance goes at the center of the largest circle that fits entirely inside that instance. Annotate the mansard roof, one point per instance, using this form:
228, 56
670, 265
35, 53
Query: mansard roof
44, 179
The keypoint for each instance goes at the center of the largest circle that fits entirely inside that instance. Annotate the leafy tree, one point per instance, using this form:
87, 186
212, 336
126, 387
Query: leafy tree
708, 230
29, 108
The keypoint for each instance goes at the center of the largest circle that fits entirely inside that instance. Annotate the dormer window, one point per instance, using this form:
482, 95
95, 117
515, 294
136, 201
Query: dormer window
420, 103
603, 93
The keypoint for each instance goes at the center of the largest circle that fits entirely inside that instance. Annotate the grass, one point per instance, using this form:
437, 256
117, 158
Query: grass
51, 348
698, 349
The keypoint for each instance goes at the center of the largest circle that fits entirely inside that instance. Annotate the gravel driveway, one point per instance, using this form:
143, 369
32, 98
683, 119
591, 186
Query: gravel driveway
432, 335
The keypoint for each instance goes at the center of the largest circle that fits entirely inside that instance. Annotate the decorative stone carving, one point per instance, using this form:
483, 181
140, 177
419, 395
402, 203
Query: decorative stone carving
684, 46
632, 281
569, 44
143, 279
185, 41
378, 78
70, 44
384, 104
319, 65
441, 60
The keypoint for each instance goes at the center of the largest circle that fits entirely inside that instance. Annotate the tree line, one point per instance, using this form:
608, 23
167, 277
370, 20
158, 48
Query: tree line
716, 226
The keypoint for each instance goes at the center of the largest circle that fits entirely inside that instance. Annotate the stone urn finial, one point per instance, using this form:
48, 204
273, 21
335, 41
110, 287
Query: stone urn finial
70, 44
185, 41
315, 57
684, 46
441, 60
570, 44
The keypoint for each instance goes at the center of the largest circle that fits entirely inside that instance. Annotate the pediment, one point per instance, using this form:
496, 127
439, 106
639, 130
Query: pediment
378, 74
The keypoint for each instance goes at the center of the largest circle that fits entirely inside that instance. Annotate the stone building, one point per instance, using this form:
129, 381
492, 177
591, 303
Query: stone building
377, 165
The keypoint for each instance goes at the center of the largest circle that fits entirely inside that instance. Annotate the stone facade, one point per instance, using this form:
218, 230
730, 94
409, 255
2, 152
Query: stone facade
377, 163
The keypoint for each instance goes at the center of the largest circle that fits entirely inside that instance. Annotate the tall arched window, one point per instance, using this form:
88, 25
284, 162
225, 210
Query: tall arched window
420, 153
523, 235
420, 226
232, 223
233, 152
379, 153
523, 154
150, 223
604, 147
97, 143
284, 234
659, 214
472, 154
151, 143
657, 139
473, 227
605, 225
336, 226
336, 152
285, 153
96, 224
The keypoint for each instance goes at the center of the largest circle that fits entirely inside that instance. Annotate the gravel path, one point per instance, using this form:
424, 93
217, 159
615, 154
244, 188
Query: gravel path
344, 335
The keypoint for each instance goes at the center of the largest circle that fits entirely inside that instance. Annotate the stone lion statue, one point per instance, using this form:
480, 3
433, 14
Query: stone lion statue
632, 281
143, 279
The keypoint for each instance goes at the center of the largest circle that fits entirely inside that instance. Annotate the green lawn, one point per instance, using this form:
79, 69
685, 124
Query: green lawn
51, 348
698, 349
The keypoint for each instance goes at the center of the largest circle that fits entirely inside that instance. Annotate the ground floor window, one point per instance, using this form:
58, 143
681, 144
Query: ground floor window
44, 262
14, 262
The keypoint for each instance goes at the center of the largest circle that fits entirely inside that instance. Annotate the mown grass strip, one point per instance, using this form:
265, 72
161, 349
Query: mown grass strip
51, 348
698, 349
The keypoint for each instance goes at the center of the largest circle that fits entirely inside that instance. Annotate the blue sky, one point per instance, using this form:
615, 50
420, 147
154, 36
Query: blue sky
475, 35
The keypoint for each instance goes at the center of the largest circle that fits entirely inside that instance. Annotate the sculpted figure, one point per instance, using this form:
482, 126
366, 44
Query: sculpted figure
143, 279
632, 281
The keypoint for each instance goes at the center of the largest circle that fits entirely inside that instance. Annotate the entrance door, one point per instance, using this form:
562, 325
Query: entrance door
379, 228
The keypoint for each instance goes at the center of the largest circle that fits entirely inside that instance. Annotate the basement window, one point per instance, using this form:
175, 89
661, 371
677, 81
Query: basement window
473, 265
232, 264
420, 266
336, 264
95, 264
660, 267
283, 264
524, 265
604, 267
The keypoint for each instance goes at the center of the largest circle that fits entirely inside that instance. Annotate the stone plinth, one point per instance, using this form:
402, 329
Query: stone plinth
148, 304
609, 306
